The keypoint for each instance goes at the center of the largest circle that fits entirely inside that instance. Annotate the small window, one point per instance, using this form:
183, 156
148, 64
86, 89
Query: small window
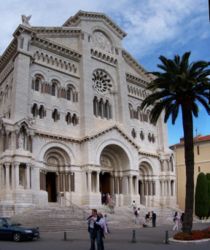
133, 133
199, 169
55, 115
198, 150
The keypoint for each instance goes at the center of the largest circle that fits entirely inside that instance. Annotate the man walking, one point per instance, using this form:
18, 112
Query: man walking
92, 228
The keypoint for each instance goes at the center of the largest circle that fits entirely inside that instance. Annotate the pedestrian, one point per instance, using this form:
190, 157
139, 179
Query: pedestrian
92, 228
154, 216
136, 215
133, 205
106, 221
101, 229
176, 222
182, 219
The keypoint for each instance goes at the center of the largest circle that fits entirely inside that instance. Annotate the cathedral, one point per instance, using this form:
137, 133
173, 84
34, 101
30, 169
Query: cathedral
71, 127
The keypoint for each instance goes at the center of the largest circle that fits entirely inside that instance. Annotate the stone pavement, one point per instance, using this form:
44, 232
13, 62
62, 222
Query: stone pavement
119, 239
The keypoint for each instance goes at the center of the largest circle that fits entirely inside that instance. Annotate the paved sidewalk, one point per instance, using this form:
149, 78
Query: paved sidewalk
119, 239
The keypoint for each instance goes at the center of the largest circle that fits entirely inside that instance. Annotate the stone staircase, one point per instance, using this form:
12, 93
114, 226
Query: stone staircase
55, 218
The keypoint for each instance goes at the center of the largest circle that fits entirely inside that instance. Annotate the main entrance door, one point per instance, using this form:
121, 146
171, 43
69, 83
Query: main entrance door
51, 186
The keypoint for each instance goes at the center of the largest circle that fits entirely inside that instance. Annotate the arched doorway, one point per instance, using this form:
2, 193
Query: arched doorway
51, 186
146, 183
58, 174
105, 186
114, 162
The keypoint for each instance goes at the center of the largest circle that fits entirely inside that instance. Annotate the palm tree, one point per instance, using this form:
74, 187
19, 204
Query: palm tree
181, 85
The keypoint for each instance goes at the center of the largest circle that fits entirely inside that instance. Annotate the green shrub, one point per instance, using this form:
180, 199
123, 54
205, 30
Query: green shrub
201, 196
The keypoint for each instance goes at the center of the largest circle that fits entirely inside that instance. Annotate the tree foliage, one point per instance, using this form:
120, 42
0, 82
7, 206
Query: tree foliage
201, 196
180, 85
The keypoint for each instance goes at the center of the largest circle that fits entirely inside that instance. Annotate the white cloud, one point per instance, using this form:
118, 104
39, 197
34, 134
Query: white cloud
149, 23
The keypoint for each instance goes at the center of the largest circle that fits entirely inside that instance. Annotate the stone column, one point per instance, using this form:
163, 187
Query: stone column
130, 184
69, 182
97, 182
7, 166
28, 181
112, 185
17, 178
13, 175
136, 185
169, 188
89, 181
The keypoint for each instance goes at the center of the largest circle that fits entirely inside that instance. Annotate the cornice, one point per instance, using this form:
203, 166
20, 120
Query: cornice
8, 54
83, 15
136, 80
57, 30
55, 47
88, 138
133, 63
148, 154
104, 57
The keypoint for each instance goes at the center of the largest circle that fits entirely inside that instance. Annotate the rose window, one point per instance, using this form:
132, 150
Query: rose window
101, 81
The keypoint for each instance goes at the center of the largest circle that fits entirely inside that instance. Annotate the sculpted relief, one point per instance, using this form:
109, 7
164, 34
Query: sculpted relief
102, 42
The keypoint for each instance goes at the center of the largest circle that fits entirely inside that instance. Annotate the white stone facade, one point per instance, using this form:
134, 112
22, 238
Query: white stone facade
70, 123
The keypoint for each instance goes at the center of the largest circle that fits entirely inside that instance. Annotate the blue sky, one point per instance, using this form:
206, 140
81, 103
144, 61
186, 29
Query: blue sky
154, 28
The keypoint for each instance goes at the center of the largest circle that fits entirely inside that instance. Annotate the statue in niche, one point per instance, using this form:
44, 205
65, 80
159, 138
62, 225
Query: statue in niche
25, 20
102, 42
21, 140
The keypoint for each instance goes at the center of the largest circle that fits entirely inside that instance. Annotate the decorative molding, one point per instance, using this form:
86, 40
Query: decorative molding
8, 54
133, 63
61, 31
94, 16
53, 62
90, 137
6, 71
103, 57
55, 48
136, 80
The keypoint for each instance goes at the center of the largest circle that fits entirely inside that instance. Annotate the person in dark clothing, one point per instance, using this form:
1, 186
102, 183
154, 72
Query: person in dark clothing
154, 216
92, 228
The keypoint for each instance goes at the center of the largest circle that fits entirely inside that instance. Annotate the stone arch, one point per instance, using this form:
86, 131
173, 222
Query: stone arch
107, 41
114, 146
67, 152
56, 157
147, 187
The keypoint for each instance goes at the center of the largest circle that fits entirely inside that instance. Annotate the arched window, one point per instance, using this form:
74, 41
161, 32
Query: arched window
95, 106
133, 133
54, 88
55, 115
131, 111
74, 119
142, 135
71, 93
41, 112
37, 83
68, 118
107, 110
34, 110
100, 108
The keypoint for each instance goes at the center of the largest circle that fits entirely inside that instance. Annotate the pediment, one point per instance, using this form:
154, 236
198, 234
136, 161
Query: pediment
94, 16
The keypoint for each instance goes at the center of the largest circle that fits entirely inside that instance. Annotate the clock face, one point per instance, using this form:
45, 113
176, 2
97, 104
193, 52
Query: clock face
102, 42
101, 81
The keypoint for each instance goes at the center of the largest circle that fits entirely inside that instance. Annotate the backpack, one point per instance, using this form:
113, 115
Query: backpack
136, 213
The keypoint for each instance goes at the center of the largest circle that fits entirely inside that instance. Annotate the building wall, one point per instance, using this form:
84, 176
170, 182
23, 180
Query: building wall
202, 164
58, 144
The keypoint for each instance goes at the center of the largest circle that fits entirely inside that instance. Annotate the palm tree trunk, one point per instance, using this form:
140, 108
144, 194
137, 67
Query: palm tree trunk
189, 163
